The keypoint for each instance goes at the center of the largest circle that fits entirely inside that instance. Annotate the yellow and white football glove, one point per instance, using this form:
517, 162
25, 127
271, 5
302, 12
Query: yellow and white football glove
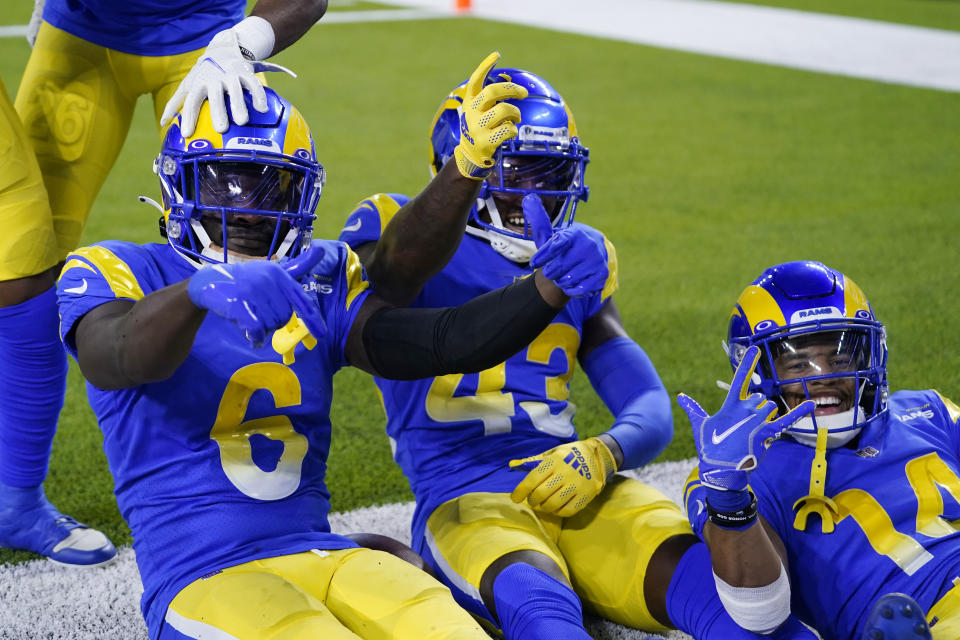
485, 120
229, 66
565, 478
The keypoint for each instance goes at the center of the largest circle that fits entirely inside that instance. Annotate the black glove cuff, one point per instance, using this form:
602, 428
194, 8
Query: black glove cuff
739, 519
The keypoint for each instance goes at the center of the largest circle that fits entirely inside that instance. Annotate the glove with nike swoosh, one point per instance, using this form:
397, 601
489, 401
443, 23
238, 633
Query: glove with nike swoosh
563, 480
731, 443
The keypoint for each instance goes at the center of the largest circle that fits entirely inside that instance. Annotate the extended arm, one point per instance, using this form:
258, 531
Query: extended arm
750, 576
288, 19
421, 237
628, 384
408, 344
124, 344
424, 233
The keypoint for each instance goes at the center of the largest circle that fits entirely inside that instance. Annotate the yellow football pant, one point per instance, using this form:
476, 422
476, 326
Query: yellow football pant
333, 595
947, 612
603, 550
28, 245
76, 101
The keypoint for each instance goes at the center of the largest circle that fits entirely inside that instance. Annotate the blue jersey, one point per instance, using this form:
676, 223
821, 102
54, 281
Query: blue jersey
455, 434
223, 462
145, 27
897, 497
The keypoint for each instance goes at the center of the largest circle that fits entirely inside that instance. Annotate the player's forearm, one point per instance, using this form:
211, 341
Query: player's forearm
422, 236
628, 384
290, 19
145, 344
408, 344
742, 558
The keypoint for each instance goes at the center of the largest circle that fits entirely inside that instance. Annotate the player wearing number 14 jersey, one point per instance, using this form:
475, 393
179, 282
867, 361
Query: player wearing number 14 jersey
862, 486
521, 518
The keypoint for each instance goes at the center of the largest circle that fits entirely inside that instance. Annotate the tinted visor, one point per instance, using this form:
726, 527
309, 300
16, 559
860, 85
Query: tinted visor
247, 185
820, 354
535, 173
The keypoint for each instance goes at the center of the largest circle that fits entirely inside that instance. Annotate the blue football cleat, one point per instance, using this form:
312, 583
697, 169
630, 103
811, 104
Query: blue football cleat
29, 522
896, 616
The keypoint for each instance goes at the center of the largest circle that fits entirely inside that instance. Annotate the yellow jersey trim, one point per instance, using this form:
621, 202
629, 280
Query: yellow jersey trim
115, 271
386, 207
952, 409
356, 283
613, 277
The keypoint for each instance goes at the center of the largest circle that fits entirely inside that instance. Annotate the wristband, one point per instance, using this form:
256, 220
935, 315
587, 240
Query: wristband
255, 37
737, 519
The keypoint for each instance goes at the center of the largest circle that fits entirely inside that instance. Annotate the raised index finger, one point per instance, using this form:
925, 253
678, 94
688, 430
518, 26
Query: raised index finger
475, 83
536, 216
741, 379
302, 264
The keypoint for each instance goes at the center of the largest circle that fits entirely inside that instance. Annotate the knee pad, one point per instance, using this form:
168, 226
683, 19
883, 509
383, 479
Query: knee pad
533, 605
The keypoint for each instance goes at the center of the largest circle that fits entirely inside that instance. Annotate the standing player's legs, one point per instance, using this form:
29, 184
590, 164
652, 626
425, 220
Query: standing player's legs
661, 576
32, 361
500, 561
75, 117
337, 595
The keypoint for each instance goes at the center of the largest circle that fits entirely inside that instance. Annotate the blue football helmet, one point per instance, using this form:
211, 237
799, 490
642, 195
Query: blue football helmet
546, 158
249, 193
820, 340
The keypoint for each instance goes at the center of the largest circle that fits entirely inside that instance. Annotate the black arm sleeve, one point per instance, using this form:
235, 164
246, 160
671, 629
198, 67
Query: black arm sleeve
408, 344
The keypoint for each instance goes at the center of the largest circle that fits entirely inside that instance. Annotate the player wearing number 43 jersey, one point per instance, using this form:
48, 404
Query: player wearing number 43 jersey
209, 361
521, 518
862, 486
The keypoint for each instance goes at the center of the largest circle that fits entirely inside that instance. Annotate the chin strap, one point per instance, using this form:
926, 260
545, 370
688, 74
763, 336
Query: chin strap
816, 502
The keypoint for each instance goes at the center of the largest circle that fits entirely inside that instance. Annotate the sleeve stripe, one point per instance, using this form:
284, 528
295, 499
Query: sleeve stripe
613, 279
356, 283
74, 264
952, 409
385, 206
115, 271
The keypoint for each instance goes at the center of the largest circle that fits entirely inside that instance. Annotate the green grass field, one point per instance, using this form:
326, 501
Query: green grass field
705, 171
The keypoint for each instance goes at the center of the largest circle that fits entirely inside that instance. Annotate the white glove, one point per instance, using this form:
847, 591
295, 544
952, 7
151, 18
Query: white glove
221, 68
34, 26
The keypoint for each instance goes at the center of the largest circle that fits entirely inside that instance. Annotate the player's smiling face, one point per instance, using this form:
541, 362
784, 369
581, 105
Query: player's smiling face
819, 354
532, 174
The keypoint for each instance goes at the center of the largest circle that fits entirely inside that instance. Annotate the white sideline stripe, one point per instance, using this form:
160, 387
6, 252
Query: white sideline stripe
840, 45
39, 599
195, 628
9, 31
384, 15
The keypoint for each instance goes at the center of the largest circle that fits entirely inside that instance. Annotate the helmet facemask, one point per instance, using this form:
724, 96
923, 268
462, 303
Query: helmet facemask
247, 194
546, 159
841, 368
544, 162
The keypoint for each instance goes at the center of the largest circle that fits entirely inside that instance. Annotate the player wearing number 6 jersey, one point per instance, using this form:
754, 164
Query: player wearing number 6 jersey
860, 486
522, 518
209, 361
